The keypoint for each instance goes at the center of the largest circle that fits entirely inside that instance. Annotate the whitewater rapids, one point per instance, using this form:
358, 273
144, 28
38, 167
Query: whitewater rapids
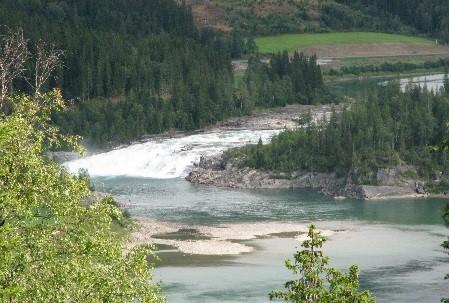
166, 158
432, 82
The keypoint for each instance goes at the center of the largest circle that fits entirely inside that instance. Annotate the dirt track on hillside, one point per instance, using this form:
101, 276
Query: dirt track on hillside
375, 50
277, 118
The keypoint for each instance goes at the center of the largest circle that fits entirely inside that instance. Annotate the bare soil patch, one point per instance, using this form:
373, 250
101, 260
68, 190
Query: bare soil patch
278, 118
375, 50
268, 8
208, 14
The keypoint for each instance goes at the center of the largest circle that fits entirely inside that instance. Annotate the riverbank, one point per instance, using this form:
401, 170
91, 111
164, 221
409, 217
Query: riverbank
277, 118
229, 173
223, 239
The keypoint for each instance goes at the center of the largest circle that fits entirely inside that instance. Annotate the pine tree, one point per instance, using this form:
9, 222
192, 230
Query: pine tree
317, 282
251, 46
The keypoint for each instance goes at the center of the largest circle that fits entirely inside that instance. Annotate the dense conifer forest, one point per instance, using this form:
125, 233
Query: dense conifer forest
429, 17
130, 69
386, 128
146, 68
286, 80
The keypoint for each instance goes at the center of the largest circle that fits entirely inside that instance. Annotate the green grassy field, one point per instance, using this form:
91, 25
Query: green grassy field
291, 42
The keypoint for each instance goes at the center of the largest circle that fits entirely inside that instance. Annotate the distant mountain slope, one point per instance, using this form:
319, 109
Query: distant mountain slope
264, 17
430, 17
251, 16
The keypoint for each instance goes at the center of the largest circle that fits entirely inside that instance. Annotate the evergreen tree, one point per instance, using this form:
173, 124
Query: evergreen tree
251, 46
446, 83
149, 54
381, 130
317, 282
285, 80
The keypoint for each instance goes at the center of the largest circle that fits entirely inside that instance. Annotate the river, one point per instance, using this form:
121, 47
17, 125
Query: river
396, 243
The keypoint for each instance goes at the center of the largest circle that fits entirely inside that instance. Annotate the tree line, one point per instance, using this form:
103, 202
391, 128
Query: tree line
282, 81
146, 68
145, 62
262, 17
286, 79
430, 17
394, 67
385, 128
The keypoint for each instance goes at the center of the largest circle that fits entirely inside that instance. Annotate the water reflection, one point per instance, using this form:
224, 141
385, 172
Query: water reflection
178, 200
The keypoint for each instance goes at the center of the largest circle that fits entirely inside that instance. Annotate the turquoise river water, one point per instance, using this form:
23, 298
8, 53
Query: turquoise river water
396, 243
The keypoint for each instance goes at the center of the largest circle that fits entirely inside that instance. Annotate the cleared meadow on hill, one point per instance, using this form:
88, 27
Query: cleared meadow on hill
292, 42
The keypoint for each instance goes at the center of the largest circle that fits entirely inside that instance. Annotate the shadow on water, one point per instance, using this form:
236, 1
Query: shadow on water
178, 201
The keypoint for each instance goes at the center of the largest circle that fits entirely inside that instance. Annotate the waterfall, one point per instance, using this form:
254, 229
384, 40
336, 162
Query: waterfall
432, 82
166, 158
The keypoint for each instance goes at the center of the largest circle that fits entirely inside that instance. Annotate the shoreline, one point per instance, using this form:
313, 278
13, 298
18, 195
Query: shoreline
213, 240
277, 118
227, 173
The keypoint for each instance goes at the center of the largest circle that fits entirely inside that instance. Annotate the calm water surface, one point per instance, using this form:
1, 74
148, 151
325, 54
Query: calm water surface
396, 243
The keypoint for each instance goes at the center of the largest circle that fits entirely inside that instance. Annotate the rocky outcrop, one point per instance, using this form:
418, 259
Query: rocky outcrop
394, 182
227, 173
62, 156
400, 175
221, 172
370, 192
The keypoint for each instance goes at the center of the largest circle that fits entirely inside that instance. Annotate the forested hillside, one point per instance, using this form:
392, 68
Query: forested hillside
146, 65
266, 17
286, 80
145, 68
386, 129
139, 69
430, 17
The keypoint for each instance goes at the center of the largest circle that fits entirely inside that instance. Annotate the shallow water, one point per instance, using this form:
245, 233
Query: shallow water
396, 265
432, 82
359, 87
396, 243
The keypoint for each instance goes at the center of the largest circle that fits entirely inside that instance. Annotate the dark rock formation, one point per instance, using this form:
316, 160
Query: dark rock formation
392, 182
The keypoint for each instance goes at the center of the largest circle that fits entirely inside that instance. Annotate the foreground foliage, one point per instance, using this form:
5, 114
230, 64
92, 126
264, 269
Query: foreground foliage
317, 281
53, 246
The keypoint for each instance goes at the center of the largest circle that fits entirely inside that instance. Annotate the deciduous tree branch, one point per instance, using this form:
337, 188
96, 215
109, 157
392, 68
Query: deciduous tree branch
13, 55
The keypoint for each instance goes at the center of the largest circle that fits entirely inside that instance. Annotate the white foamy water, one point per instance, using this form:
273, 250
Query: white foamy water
432, 82
166, 158
324, 61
